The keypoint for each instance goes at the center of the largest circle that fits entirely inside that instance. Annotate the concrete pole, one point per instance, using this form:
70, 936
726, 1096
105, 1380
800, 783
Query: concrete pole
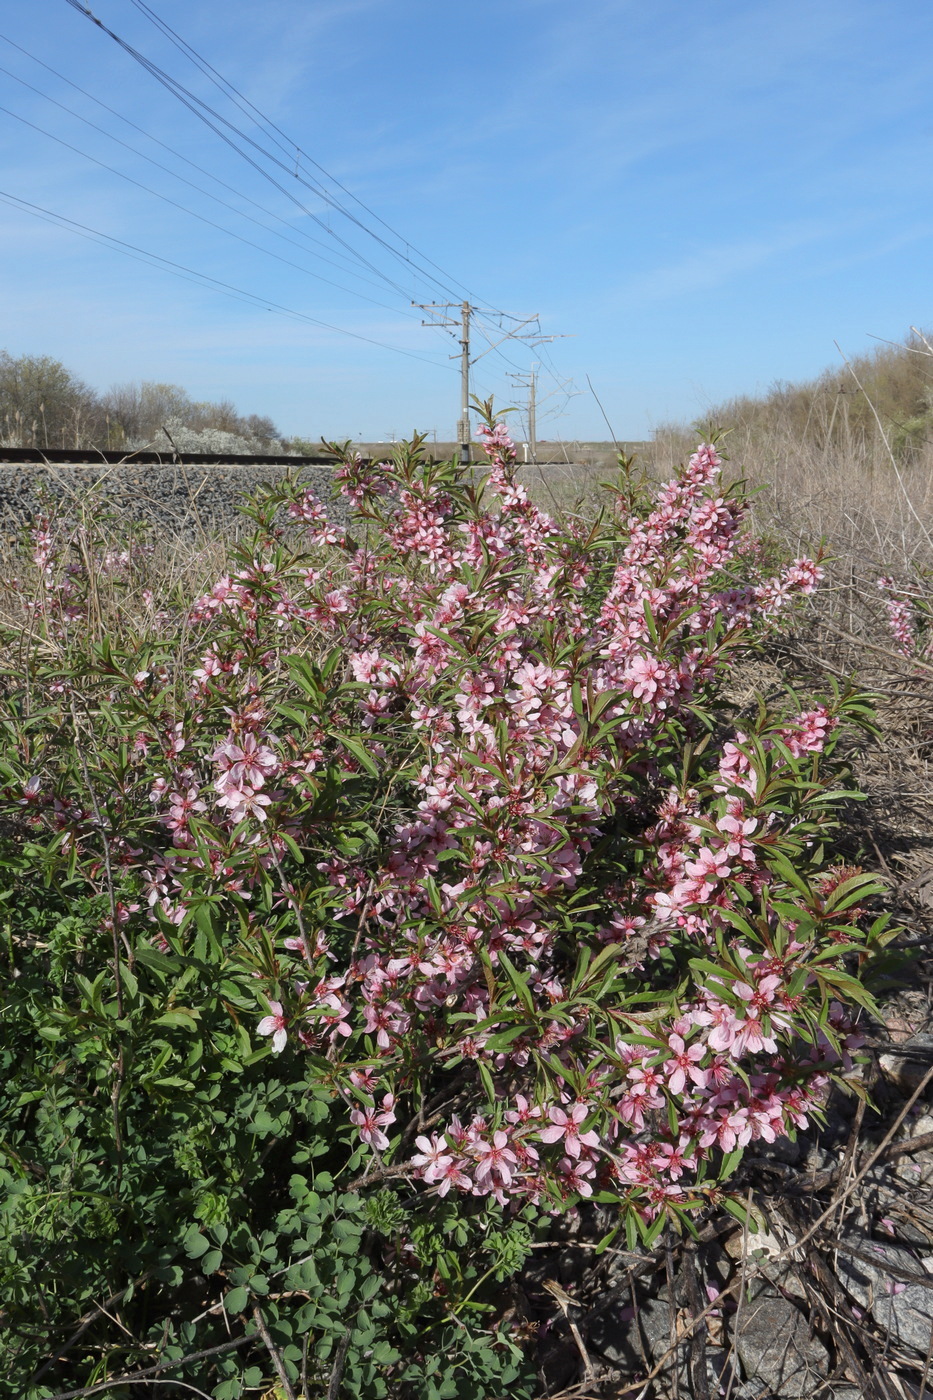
463, 427
532, 423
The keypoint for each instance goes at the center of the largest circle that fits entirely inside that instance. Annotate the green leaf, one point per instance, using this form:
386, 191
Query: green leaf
730, 1162
128, 980
186, 1019
486, 1078
851, 891
739, 1210
356, 749
235, 1300
158, 962
195, 1244
385, 1355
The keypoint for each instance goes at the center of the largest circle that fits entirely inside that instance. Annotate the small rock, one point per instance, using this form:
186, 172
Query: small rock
654, 1319
917, 1169
906, 1069
916, 1230
628, 1341
775, 1348
820, 1159
904, 1309
613, 1333
764, 1244
783, 1149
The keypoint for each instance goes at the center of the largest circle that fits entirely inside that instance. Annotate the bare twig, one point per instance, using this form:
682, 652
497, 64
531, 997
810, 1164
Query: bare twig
912, 661
884, 439
603, 412
340, 1361
84, 1322
274, 1353
133, 1376
733, 1369
672, 1311
926, 1368
565, 1303
831, 1175
699, 1381
755, 1269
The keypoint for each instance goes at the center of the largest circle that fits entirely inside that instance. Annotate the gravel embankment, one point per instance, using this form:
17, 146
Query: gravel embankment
182, 499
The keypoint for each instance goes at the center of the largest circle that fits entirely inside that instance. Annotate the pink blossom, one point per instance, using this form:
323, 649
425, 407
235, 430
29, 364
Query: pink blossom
371, 1122
566, 1128
432, 1157
684, 1063
495, 1159
275, 1025
524, 688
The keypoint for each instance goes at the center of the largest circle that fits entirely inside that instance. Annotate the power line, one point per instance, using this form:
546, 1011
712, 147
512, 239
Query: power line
270, 132
204, 112
183, 179
190, 274
246, 106
229, 90
198, 108
241, 194
183, 207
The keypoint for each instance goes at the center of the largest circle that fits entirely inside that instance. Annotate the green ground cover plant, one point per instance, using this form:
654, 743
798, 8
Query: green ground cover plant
411, 886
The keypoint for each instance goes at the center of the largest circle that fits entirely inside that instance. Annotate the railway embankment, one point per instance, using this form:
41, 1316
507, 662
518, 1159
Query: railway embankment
183, 497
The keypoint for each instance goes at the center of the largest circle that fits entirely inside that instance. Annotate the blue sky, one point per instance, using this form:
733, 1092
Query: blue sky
701, 198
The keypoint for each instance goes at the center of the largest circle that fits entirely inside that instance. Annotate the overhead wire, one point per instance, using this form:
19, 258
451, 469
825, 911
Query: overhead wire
195, 104
205, 113
241, 194
188, 98
275, 131
177, 89
271, 132
286, 145
189, 274
175, 203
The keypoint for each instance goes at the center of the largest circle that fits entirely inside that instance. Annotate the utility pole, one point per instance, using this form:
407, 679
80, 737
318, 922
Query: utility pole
464, 435
535, 337
532, 423
529, 381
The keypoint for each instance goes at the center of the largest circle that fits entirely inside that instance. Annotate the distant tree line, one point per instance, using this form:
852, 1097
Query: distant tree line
43, 404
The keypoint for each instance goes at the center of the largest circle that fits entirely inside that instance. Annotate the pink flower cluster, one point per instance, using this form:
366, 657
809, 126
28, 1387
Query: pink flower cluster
519, 837
908, 614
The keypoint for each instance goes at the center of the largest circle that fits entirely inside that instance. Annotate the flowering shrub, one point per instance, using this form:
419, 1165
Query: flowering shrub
909, 611
439, 814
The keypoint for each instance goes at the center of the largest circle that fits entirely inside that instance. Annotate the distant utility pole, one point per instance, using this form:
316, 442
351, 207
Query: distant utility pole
529, 381
532, 424
464, 435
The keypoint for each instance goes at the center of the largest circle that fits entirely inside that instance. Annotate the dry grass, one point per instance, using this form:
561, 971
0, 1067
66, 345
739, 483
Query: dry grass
845, 462
869, 507
129, 584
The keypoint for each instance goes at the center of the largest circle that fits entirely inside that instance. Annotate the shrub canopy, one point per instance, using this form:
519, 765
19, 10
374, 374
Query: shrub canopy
414, 881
